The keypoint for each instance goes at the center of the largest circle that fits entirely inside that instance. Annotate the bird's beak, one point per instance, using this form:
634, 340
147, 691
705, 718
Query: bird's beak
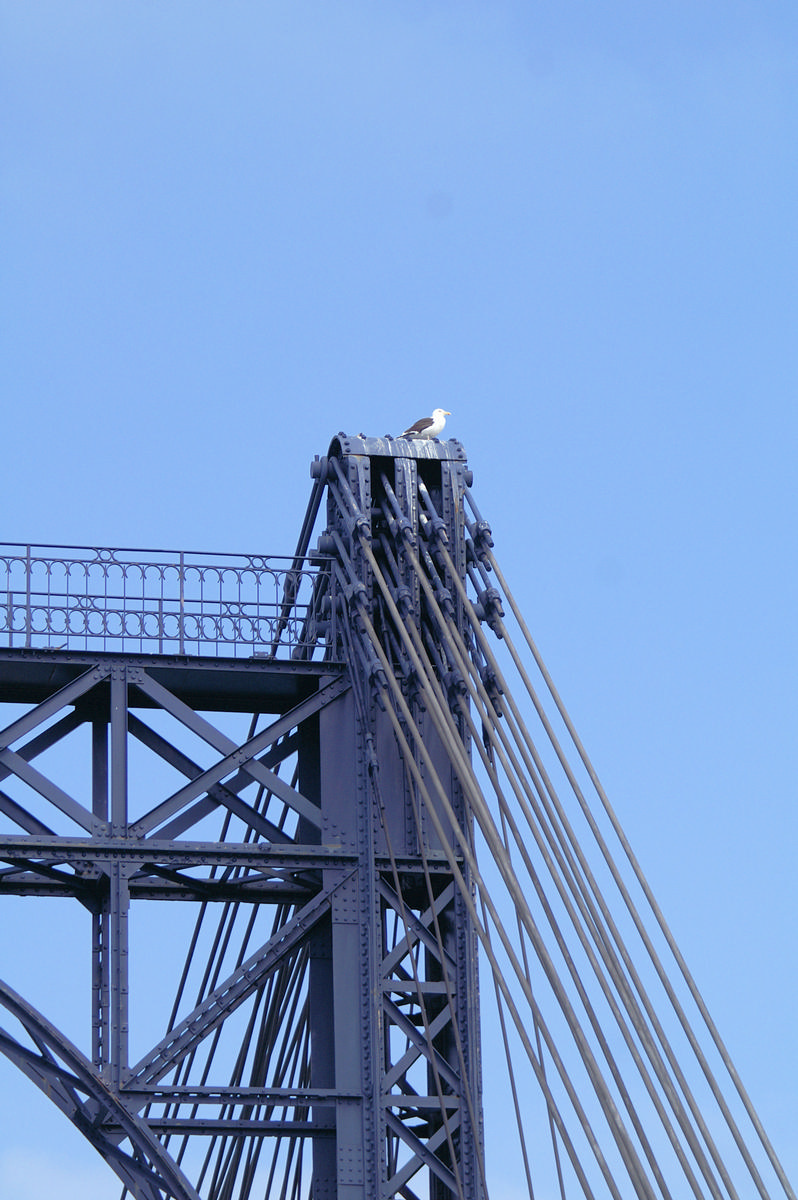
447, 414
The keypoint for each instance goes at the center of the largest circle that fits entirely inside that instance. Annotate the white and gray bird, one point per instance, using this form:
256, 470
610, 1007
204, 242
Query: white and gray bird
428, 427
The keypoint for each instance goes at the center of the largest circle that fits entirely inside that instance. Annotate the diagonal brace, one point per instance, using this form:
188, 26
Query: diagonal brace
236, 757
231, 993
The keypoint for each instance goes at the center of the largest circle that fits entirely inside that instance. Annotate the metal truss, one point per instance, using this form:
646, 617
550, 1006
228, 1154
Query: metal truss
323, 1039
68, 1079
107, 853
349, 813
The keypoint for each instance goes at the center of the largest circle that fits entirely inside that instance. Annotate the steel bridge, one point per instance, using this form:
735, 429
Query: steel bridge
352, 771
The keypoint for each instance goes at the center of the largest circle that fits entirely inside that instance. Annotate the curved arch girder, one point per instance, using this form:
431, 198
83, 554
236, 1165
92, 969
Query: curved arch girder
67, 1078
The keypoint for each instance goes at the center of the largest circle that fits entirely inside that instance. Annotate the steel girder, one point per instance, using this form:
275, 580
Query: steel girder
121, 836
67, 1078
336, 1053
418, 999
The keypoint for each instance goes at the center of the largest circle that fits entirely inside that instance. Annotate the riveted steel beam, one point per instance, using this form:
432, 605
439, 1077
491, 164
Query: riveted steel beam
351, 1008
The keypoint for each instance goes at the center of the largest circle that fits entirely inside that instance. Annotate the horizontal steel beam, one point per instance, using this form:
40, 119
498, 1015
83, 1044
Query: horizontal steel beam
261, 892
210, 684
292, 1097
86, 852
239, 1126
101, 850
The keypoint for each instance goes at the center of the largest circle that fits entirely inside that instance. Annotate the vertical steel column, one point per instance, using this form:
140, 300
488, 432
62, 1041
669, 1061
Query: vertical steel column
343, 1008
343, 996
379, 495
320, 985
116, 926
100, 979
322, 1057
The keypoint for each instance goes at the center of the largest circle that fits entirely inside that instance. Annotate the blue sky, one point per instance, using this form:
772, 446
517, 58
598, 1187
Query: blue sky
231, 230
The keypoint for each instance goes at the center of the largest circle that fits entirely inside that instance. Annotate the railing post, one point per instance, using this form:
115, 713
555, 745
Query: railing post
28, 615
182, 604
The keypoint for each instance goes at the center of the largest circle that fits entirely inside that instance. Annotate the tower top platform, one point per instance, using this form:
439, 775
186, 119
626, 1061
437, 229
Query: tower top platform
344, 444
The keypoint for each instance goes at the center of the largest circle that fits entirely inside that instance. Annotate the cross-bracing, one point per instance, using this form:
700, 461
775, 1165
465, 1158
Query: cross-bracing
354, 772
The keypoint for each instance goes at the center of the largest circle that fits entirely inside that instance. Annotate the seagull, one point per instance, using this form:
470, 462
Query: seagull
428, 427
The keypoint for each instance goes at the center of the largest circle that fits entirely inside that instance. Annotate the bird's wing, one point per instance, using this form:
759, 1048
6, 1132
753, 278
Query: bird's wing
419, 427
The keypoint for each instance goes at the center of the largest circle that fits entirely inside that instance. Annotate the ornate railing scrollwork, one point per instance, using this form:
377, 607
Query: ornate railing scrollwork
164, 602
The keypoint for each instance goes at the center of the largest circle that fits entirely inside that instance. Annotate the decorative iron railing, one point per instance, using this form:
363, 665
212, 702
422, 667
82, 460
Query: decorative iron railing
164, 602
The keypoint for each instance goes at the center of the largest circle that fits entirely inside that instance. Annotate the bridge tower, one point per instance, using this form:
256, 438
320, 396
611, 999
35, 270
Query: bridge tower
254, 741
332, 778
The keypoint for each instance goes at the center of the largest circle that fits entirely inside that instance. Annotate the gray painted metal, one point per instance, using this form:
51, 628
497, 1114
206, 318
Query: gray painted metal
427, 1011
357, 1057
158, 602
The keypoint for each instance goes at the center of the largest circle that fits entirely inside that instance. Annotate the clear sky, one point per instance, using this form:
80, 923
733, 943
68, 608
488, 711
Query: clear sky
230, 230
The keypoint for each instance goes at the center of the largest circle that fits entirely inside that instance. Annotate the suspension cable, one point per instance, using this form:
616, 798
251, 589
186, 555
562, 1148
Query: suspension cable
455, 749
645, 887
671, 1056
445, 657
686, 1128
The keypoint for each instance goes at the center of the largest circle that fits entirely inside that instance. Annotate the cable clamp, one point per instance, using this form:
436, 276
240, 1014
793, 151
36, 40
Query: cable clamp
445, 602
455, 687
404, 599
320, 468
492, 687
400, 526
434, 528
372, 761
482, 536
356, 591
361, 523
379, 683
488, 607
